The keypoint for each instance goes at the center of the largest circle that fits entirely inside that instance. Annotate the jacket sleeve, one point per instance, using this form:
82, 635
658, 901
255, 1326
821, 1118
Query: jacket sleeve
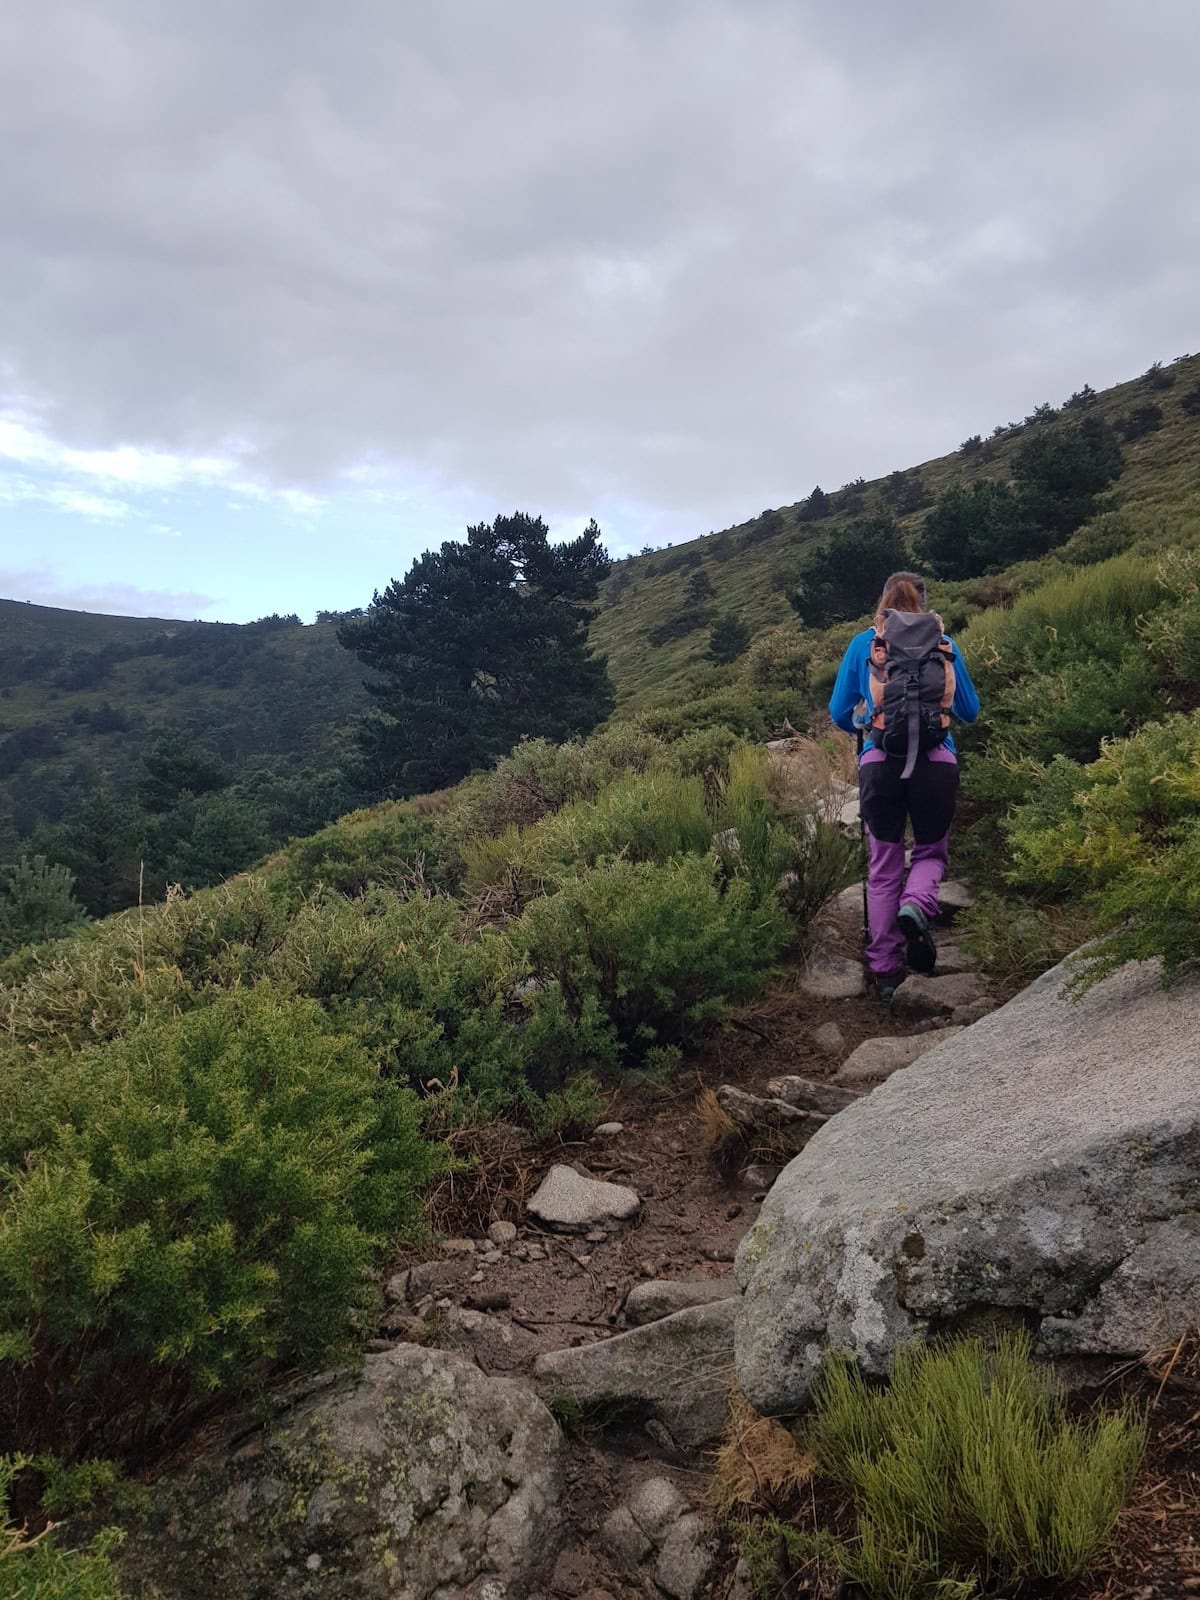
966, 698
846, 691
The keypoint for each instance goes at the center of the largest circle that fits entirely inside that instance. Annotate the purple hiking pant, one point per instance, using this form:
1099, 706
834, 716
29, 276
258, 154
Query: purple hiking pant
888, 802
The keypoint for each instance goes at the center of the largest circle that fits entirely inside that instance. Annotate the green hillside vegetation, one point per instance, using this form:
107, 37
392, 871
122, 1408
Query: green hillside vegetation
224, 1108
752, 567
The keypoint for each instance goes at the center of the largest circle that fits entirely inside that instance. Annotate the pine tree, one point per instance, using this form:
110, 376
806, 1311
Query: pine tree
482, 643
727, 640
843, 578
36, 903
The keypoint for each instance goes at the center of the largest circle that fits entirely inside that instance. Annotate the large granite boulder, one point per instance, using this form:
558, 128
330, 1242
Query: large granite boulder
417, 1476
1043, 1165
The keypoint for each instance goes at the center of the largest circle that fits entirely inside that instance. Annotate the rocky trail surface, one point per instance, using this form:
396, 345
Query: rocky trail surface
572, 1283
593, 1282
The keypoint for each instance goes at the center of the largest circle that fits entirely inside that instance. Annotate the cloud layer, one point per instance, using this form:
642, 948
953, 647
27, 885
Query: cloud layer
678, 257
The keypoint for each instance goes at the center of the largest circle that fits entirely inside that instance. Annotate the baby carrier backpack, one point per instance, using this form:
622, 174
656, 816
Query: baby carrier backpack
912, 684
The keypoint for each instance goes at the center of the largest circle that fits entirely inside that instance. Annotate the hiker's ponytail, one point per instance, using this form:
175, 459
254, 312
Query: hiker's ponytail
903, 591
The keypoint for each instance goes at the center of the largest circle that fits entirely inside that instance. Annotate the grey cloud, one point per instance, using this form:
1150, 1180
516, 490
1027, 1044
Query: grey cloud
691, 256
116, 599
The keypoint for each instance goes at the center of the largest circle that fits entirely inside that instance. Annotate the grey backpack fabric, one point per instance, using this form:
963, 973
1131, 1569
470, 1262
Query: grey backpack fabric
912, 684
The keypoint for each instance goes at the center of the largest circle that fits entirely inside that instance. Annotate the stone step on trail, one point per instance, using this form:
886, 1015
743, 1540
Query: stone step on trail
876, 1059
919, 996
827, 1099
663, 1297
572, 1202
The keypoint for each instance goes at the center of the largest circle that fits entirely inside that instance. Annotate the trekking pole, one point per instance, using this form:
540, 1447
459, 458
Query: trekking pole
862, 835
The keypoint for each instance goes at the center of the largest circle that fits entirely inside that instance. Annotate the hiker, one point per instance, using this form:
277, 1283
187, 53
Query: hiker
900, 682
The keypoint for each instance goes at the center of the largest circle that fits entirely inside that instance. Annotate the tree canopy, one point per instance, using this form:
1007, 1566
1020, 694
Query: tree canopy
843, 579
482, 643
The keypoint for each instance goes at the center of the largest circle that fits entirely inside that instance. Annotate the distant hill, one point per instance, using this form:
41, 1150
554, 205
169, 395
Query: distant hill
82, 695
751, 567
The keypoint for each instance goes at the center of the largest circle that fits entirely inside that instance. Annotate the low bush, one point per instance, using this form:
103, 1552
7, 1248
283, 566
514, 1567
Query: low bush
184, 1206
967, 1472
35, 1566
639, 954
390, 846
1123, 834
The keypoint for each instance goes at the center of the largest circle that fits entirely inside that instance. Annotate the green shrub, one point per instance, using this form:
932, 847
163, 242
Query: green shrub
183, 1206
745, 711
1123, 833
1017, 941
36, 903
966, 1470
390, 846
37, 1567
645, 953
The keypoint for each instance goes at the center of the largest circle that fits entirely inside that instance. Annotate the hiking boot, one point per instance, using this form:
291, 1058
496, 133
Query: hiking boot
885, 985
914, 925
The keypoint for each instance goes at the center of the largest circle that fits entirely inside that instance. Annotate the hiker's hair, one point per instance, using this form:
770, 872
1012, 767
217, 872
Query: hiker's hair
903, 591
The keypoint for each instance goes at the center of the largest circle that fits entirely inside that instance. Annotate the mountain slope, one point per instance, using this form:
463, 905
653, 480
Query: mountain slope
753, 565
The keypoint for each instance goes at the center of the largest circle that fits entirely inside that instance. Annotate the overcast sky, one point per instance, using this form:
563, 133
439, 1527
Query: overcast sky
291, 289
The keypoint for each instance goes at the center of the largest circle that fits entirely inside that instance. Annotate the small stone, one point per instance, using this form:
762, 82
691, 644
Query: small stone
431, 1276
733, 1211
829, 976
610, 1130
954, 896
584, 1259
476, 1277
376, 1345
717, 1252
502, 1232
975, 1011
951, 958
469, 1321
655, 1506
396, 1288
760, 1175
685, 1560
403, 1325
662, 1436
314, 1562
623, 1540
596, 1236
827, 1099
649, 1302
920, 996
458, 1247
535, 1252
829, 1039
877, 1059
569, 1200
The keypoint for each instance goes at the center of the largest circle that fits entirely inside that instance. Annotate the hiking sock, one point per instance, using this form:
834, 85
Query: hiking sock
921, 953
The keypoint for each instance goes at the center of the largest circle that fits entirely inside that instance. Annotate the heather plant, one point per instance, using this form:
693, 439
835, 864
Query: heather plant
186, 1206
967, 1473
648, 953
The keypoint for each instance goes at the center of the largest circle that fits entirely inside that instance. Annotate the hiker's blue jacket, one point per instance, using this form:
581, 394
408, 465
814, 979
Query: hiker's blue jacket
853, 685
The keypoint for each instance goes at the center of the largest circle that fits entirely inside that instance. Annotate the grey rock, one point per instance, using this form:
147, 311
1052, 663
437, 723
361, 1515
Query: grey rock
395, 1290
685, 1559
743, 1581
661, 1297
919, 996
759, 1111
760, 1175
1027, 1168
974, 1011
829, 1039
679, 1369
954, 896
610, 1130
402, 1324
829, 976
1143, 1306
430, 1277
953, 958
568, 1200
849, 904
827, 1099
458, 1247
656, 1506
416, 1475
502, 1233
876, 1059
623, 1540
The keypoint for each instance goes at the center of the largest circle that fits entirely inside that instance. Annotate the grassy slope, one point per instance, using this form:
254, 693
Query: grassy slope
1160, 487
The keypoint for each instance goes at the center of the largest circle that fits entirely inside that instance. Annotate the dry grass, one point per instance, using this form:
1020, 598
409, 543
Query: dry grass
812, 772
718, 1130
759, 1466
492, 1172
